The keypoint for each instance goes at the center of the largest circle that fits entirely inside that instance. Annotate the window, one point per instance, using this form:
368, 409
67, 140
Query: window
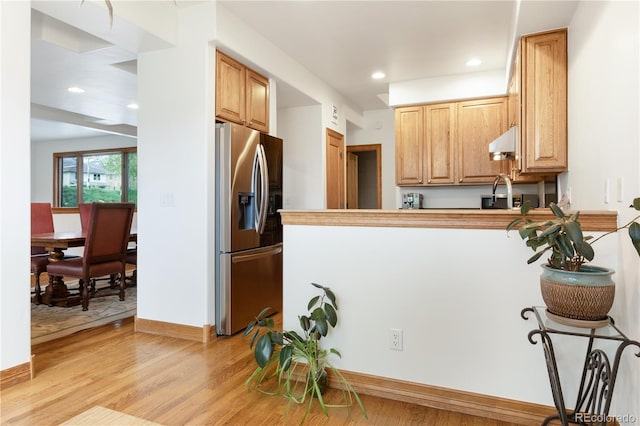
88, 176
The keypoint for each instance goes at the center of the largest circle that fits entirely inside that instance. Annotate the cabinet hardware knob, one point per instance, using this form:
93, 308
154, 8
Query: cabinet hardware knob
460, 180
429, 181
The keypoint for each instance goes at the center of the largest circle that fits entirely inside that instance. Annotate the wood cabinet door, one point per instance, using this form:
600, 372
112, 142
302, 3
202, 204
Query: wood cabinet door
257, 101
335, 170
440, 138
544, 102
230, 83
479, 123
409, 145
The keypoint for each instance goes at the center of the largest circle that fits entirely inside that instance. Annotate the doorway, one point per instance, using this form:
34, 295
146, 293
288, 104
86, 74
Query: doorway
364, 184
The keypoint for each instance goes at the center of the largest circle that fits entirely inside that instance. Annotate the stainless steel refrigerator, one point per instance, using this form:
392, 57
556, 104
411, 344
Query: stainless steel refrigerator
248, 226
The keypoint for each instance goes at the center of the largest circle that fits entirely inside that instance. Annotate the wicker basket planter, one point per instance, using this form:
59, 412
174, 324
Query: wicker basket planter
586, 295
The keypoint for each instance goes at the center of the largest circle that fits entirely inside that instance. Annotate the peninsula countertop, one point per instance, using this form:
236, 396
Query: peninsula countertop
591, 220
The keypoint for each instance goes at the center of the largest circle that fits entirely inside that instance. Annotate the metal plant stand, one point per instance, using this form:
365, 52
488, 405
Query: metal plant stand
598, 375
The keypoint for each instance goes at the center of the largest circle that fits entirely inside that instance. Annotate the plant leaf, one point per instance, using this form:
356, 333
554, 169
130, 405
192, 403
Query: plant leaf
318, 314
557, 211
331, 315
277, 338
634, 232
263, 312
535, 257
304, 322
249, 328
312, 302
317, 286
321, 326
550, 230
253, 339
584, 249
636, 203
264, 350
331, 296
564, 244
335, 351
574, 232
286, 357
524, 209
513, 223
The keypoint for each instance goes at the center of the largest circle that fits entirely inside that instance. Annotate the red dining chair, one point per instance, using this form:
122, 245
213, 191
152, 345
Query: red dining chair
105, 249
41, 222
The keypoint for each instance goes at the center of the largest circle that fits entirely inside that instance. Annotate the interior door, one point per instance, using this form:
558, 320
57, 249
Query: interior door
352, 180
335, 170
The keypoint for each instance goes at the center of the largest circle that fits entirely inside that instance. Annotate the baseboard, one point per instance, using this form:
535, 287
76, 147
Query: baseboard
188, 332
17, 374
491, 407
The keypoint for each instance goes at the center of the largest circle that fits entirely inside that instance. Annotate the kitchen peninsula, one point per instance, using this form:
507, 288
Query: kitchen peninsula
453, 282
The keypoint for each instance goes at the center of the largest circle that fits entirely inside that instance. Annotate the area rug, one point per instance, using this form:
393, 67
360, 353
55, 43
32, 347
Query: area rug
52, 322
104, 416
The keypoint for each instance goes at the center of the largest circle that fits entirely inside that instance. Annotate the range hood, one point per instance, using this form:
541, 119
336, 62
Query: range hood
504, 147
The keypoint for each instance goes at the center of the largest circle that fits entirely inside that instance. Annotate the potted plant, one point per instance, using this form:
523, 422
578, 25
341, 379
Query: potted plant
570, 287
296, 361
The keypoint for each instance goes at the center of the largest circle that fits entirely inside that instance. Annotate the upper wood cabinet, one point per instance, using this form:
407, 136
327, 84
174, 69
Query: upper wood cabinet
440, 142
409, 145
543, 101
448, 144
242, 95
479, 123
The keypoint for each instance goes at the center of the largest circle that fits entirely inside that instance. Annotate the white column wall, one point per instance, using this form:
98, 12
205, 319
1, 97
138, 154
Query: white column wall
176, 195
15, 223
303, 172
604, 145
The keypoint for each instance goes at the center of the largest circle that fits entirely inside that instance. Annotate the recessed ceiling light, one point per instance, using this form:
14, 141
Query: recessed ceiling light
75, 89
473, 62
132, 106
378, 75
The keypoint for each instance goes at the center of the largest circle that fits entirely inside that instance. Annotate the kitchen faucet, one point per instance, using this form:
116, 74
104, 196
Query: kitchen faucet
507, 182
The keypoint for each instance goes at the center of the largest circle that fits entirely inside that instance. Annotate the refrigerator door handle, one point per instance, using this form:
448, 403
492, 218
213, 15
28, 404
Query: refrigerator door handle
257, 254
256, 187
264, 190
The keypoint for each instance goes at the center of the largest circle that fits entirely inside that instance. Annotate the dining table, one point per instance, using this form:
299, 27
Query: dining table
55, 243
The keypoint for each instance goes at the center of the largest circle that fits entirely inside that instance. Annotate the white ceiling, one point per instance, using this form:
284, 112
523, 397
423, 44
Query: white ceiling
342, 42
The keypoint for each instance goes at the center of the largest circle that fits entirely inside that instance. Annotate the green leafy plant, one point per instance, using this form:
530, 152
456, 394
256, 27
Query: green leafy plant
563, 237
296, 362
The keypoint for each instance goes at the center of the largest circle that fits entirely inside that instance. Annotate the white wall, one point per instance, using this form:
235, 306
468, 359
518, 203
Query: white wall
15, 313
456, 294
604, 144
42, 159
472, 85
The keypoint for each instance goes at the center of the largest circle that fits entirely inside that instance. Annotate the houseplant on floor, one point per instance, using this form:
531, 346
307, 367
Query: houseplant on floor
296, 362
570, 287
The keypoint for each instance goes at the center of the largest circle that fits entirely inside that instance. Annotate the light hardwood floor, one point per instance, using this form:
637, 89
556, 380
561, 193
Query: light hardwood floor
175, 382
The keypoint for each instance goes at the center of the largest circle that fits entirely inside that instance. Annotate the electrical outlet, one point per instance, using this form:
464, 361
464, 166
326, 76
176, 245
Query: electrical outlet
395, 339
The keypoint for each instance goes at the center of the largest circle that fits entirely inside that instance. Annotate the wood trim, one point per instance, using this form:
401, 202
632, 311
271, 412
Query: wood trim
594, 221
377, 148
187, 332
18, 374
491, 407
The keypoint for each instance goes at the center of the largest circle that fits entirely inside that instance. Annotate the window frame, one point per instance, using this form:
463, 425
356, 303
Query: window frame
79, 155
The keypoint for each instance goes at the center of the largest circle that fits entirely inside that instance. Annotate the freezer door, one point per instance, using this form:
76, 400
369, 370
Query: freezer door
236, 150
248, 282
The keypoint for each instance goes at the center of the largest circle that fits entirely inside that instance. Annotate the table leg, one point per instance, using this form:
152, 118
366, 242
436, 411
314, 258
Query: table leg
57, 293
